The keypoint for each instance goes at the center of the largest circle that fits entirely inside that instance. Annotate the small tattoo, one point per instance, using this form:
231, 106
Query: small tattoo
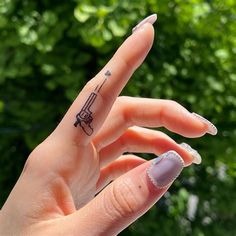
84, 117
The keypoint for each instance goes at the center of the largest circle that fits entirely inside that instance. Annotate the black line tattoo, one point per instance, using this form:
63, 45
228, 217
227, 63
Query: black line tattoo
84, 117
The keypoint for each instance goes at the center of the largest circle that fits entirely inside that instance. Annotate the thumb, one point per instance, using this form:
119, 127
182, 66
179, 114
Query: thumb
128, 197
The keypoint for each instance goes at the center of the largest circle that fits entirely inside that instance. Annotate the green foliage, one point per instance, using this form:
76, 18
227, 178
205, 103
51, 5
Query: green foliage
48, 51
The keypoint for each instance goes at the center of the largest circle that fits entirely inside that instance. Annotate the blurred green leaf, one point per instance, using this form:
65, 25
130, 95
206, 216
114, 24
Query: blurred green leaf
80, 15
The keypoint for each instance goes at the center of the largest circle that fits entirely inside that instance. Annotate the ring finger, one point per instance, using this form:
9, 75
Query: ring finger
142, 140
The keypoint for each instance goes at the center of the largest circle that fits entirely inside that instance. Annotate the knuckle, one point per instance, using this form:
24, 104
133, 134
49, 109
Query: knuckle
121, 100
31, 160
126, 110
89, 85
126, 140
119, 104
124, 199
36, 159
122, 109
128, 64
169, 105
123, 144
172, 102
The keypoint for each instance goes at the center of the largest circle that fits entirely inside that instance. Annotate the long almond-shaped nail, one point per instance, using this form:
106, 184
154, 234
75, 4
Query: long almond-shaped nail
150, 19
211, 128
197, 159
165, 169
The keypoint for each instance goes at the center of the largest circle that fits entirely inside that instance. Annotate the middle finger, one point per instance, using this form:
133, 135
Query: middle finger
129, 111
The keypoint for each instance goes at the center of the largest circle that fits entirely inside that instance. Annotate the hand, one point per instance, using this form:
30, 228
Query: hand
56, 192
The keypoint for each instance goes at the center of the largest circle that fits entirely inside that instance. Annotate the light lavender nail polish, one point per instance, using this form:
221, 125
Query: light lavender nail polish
165, 169
211, 128
150, 19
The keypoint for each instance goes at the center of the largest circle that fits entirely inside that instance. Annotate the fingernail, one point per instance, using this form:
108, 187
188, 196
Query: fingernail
211, 128
150, 19
194, 153
165, 169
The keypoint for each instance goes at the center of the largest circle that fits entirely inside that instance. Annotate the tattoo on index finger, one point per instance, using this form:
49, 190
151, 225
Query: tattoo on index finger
84, 118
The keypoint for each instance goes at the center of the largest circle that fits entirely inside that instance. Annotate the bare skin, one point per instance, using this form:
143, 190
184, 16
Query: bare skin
55, 194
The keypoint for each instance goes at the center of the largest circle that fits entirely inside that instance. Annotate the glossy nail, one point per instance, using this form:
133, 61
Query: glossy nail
165, 169
197, 159
211, 128
150, 19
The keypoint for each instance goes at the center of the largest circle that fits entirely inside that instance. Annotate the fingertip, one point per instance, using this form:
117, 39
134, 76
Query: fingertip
149, 19
178, 119
136, 47
131, 52
198, 129
210, 128
145, 34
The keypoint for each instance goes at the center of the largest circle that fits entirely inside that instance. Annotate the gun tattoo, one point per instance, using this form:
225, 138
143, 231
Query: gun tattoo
84, 117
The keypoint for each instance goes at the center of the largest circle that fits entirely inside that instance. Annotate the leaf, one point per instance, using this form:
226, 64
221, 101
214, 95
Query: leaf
80, 15
116, 29
103, 11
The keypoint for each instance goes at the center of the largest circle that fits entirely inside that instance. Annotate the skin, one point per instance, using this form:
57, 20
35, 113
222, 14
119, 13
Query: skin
55, 193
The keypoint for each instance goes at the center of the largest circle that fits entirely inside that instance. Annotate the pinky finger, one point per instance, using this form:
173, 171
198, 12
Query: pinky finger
117, 168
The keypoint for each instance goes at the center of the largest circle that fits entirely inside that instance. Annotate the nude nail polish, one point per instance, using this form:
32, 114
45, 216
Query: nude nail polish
211, 128
197, 159
150, 19
165, 169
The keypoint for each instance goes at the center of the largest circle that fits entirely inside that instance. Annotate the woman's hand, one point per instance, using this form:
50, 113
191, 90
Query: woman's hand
56, 192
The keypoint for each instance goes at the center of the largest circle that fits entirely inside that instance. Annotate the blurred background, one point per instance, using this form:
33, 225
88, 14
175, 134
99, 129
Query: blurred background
49, 49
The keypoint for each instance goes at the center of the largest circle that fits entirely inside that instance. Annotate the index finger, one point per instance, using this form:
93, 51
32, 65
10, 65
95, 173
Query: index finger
90, 109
